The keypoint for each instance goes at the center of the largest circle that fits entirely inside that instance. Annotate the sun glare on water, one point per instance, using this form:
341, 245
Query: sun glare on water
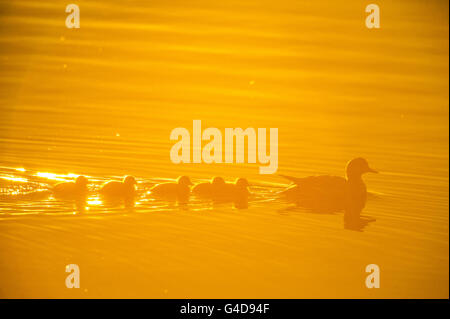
56, 177
94, 202
14, 179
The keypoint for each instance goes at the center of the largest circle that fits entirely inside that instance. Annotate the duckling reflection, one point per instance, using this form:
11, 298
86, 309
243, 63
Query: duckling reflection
73, 191
80, 205
173, 191
332, 193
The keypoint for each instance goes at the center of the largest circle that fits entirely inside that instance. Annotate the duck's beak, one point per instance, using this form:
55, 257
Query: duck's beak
371, 170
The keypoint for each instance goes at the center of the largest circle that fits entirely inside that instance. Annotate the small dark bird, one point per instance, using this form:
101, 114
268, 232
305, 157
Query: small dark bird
241, 193
208, 189
220, 191
238, 189
332, 193
75, 189
179, 190
115, 189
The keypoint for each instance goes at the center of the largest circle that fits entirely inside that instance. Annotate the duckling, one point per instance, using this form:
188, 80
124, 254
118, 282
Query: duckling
232, 192
179, 190
208, 189
75, 189
241, 193
115, 189
241, 187
332, 193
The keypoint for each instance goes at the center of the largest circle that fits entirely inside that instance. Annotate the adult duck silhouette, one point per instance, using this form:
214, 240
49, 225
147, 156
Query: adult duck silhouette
77, 189
117, 190
328, 194
179, 190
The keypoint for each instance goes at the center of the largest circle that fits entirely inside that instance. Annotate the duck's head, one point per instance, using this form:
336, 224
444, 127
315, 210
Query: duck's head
242, 183
184, 180
129, 181
81, 181
217, 181
358, 166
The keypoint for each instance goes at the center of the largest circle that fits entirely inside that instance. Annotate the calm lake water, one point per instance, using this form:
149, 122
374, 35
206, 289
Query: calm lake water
101, 101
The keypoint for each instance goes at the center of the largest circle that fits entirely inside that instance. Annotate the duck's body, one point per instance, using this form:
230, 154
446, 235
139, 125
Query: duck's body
77, 189
179, 190
332, 193
319, 193
115, 189
202, 189
356, 196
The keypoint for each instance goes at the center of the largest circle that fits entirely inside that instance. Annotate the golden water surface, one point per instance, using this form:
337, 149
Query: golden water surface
102, 100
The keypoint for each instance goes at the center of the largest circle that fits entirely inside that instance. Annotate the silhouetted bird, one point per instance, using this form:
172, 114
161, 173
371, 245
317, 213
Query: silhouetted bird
179, 190
75, 189
241, 193
208, 189
115, 189
220, 191
332, 193
236, 192
237, 189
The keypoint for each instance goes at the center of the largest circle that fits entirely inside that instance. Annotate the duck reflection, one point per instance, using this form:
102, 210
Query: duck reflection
80, 205
357, 223
128, 201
